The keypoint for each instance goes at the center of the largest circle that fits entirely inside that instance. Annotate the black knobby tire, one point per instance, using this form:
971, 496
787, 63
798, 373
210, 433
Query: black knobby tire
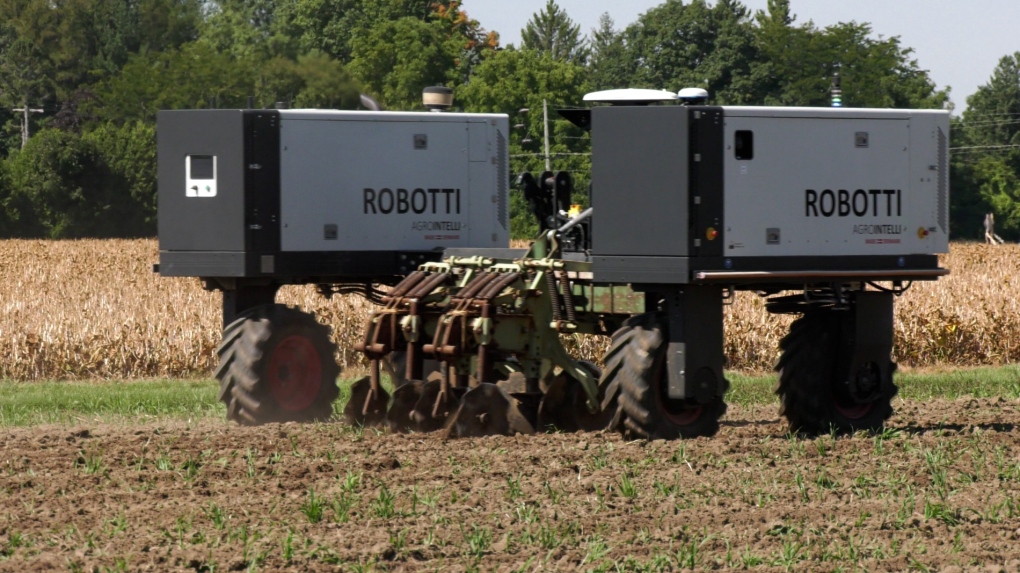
807, 380
635, 375
277, 364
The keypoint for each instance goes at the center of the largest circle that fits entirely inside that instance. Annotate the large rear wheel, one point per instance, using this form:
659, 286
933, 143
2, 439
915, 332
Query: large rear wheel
635, 368
814, 397
277, 365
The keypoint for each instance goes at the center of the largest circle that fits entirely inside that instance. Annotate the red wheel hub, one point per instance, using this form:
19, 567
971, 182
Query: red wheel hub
685, 417
866, 381
854, 411
678, 412
295, 373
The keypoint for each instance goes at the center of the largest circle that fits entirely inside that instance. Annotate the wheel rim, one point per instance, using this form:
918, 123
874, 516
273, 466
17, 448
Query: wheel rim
854, 411
295, 373
686, 416
679, 412
867, 381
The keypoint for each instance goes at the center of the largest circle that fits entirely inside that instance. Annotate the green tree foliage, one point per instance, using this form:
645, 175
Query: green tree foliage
993, 114
677, 45
101, 69
1000, 188
967, 206
608, 65
986, 162
65, 185
331, 26
782, 47
245, 29
315, 80
128, 153
796, 64
196, 76
29, 42
51, 49
6, 200
553, 32
878, 73
396, 59
99, 36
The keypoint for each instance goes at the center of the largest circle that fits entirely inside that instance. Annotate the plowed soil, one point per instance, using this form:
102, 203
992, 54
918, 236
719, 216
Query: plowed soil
940, 490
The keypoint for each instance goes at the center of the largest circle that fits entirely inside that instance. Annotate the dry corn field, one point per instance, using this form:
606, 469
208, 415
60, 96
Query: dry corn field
94, 309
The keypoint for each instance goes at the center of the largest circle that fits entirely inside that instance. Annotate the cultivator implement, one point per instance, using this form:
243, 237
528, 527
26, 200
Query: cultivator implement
494, 326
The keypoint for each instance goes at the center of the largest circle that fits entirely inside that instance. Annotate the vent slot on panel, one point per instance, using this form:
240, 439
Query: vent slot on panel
501, 179
943, 183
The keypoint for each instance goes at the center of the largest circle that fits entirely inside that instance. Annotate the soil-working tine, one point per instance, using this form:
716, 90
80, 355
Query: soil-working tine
483, 348
486, 410
366, 407
444, 390
432, 409
398, 417
373, 390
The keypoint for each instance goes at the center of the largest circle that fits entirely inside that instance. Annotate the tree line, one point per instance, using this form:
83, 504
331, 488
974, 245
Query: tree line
93, 73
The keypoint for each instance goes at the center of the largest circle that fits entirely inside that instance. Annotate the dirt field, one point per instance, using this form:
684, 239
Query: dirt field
939, 491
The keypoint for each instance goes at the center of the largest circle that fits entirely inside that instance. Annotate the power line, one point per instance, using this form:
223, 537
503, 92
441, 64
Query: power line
977, 147
550, 155
572, 171
969, 124
993, 114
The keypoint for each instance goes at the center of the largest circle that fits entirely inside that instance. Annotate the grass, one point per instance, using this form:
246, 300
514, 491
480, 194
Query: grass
53, 402
62, 402
56, 402
981, 382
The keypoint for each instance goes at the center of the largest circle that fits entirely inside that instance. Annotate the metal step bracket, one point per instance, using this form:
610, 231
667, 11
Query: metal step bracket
411, 327
481, 329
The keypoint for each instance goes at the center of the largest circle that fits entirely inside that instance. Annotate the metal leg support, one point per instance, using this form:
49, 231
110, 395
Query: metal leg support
695, 346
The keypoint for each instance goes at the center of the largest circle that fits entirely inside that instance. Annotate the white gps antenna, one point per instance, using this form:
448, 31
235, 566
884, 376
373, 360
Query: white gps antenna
693, 96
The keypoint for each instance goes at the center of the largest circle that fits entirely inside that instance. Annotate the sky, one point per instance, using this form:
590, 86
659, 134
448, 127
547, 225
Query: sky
958, 42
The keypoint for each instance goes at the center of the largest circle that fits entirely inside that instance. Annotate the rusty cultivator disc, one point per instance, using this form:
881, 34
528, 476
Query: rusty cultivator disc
494, 326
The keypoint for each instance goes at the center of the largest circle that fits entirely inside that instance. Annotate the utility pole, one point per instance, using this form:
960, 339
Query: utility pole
545, 116
24, 122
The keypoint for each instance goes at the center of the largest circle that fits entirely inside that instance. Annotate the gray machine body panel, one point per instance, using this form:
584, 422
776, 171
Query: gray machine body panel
639, 175
201, 223
391, 181
655, 270
825, 189
834, 182
290, 187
